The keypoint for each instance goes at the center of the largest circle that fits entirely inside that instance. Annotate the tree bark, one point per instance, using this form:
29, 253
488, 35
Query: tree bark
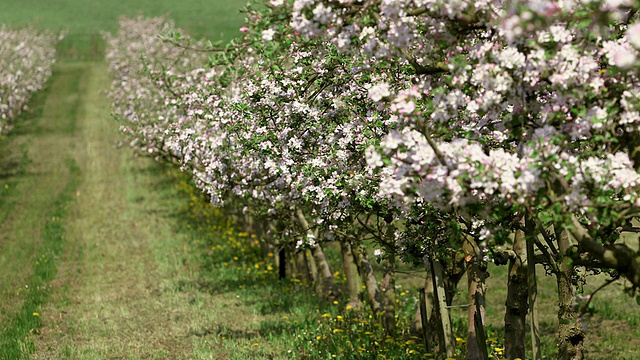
369, 279
570, 331
354, 284
447, 341
389, 291
325, 284
325, 276
452, 275
282, 263
310, 262
476, 275
517, 304
530, 236
418, 326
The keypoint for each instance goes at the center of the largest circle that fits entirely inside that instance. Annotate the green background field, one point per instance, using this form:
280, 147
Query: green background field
202, 18
83, 20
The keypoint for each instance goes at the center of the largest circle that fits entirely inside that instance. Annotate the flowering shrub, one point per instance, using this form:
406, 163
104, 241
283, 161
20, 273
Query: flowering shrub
27, 57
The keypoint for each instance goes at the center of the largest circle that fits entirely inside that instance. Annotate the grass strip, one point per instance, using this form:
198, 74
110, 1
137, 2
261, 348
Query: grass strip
15, 342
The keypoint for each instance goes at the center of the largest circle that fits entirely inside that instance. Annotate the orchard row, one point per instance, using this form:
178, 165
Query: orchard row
448, 134
27, 57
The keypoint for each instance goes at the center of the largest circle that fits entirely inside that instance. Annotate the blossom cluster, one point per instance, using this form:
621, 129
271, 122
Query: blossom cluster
347, 109
512, 104
27, 57
287, 139
145, 104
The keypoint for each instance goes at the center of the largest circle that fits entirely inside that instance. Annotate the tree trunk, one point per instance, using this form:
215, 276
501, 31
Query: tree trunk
427, 325
282, 263
476, 275
418, 326
517, 305
325, 284
311, 265
389, 291
570, 331
452, 275
325, 277
302, 267
531, 235
354, 284
369, 279
447, 340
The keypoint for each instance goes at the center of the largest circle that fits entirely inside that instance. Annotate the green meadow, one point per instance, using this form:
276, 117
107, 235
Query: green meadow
201, 18
82, 21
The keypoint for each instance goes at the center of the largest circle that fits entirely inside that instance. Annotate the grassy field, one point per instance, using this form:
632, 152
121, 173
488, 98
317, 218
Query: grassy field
211, 19
83, 20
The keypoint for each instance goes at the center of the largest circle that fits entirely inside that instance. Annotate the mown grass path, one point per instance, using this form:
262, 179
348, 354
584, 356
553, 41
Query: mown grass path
113, 286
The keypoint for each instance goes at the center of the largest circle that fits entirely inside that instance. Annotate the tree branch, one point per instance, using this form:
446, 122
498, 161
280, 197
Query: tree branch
618, 256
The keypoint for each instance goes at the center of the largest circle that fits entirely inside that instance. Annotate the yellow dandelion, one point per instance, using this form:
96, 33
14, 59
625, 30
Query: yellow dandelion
326, 315
36, 314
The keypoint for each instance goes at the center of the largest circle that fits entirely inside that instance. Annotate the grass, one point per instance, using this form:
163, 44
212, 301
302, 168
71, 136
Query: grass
83, 21
211, 19
292, 322
15, 341
40, 178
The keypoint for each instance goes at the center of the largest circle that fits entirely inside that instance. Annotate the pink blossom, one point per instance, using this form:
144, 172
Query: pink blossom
633, 34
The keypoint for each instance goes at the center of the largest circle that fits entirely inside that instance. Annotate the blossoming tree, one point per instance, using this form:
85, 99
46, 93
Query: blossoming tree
27, 57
